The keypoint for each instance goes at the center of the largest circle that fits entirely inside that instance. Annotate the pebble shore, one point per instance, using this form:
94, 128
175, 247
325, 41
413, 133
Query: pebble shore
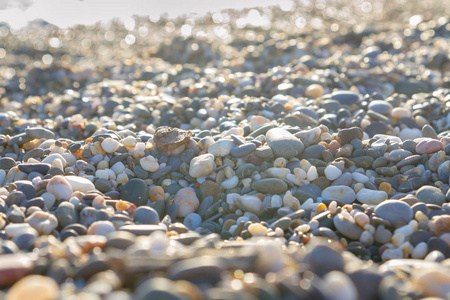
270, 162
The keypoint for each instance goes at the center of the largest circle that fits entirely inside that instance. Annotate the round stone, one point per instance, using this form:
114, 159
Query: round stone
332, 172
136, 191
66, 214
146, 215
395, 211
347, 226
60, 187
341, 193
36, 287
192, 221
345, 97
101, 228
431, 195
283, 143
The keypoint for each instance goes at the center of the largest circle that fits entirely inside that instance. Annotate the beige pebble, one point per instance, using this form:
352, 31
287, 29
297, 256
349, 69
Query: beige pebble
59, 187
361, 219
156, 193
187, 201
101, 228
314, 91
43, 222
36, 287
110, 145
257, 229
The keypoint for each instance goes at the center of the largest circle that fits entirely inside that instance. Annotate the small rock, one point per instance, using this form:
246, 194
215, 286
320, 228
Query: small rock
201, 165
187, 201
60, 187
431, 195
168, 138
370, 196
283, 143
395, 211
341, 193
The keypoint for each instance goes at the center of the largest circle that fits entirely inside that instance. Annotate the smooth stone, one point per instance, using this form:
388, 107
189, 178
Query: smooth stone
202, 165
146, 215
270, 186
187, 201
341, 193
49, 159
243, 150
245, 170
39, 133
399, 154
251, 203
35, 287
314, 151
345, 97
375, 128
433, 281
431, 195
409, 134
37, 152
60, 187
283, 143
41, 168
192, 221
395, 211
340, 286
323, 259
27, 189
428, 146
371, 196
332, 172
440, 225
419, 236
43, 222
347, 227
6, 163
381, 107
429, 132
101, 228
221, 148
206, 268
345, 179
81, 184
136, 191
66, 214
345, 136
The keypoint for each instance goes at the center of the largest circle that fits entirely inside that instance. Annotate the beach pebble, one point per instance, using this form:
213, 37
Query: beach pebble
59, 187
370, 196
101, 228
339, 286
428, 146
341, 193
146, 215
270, 186
192, 221
136, 191
283, 143
187, 201
332, 172
347, 226
81, 184
43, 222
34, 287
395, 211
201, 166
110, 145
431, 195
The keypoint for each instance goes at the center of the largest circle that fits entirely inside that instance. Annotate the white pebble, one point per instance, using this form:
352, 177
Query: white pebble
332, 172
312, 174
420, 251
59, 187
110, 145
101, 228
149, 163
230, 183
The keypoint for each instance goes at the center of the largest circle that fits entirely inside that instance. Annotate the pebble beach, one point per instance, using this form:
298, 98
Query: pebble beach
287, 152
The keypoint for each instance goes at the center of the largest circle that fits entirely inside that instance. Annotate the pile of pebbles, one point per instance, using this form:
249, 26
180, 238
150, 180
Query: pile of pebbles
323, 176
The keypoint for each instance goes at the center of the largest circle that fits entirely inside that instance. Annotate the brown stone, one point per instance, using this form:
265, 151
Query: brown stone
168, 138
440, 225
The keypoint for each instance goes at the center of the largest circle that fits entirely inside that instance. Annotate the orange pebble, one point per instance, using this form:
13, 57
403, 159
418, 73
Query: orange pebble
385, 186
156, 193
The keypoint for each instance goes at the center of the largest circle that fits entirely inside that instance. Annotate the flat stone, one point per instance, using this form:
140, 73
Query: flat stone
395, 211
39, 133
283, 143
7, 163
314, 151
345, 136
370, 196
41, 168
431, 195
243, 150
428, 146
345, 97
341, 193
270, 186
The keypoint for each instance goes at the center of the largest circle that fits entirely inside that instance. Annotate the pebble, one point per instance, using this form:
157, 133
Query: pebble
201, 165
101, 228
341, 193
146, 215
430, 195
80, 184
59, 187
283, 143
34, 286
187, 201
270, 186
428, 146
332, 172
370, 196
347, 226
395, 211
136, 191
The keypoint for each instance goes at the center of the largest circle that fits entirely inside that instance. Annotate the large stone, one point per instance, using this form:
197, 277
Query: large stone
341, 193
283, 143
431, 195
270, 186
135, 191
395, 211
